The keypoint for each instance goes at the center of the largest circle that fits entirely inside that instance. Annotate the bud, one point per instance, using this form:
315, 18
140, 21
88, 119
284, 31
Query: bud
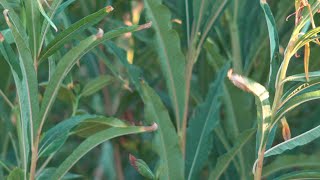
286, 133
141, 167
109, 9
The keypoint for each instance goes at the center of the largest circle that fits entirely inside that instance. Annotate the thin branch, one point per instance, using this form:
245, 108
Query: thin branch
208, 27
6, 99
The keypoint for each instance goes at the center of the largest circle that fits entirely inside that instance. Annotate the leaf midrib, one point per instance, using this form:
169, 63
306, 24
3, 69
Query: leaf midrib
171, 80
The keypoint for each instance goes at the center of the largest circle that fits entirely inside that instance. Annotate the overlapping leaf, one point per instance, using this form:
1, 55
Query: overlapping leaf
202, 123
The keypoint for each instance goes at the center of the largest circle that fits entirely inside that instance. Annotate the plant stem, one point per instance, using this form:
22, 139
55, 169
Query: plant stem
6, 99
188, 73
45, 164
117, 157
258, 172
34, 156
4, 166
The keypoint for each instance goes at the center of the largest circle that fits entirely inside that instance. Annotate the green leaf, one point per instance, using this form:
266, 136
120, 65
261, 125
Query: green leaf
64, 5
27, 89
274, 46
63, 67
94, 141
7, 35
134, 72
288, 162
302, 77
48, 172
224, 160
141, 166
64, 94
44, 14
70, 59
72, 31
172, 60
57, 136
15, 20
16, 174
201, 125
45, 25
33, 27
300, 140
94, 125
95, 85
306, 174
166, 141
302, 94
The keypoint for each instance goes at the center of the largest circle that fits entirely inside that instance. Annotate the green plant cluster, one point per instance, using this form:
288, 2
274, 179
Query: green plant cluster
159, 89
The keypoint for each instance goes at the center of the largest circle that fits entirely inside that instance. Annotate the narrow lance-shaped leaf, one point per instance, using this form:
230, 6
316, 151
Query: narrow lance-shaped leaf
95, 85
69, 60
172, 60
94, 141
300, 140
274, 45
63, 67
45, 25
287, 162
33, 28
64, 5
306, 174
224, 160
302, 77
55, 137
44, 14
141, 166
27, 88
166, 142
94, 125
48, 172
73, 30
201, 126
15, 20
307, 93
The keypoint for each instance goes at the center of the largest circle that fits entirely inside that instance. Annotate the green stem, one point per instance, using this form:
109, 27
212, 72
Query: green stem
6, 99
4, 166
75, 106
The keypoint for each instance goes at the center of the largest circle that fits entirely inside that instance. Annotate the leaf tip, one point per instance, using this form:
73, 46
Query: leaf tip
1, 37
145, 26
237, 80
109, 9
133, 160
100, 33
5, 13
153, 127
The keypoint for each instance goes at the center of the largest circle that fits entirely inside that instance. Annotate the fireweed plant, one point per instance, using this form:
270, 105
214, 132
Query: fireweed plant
273, 105
172, 76
25, 47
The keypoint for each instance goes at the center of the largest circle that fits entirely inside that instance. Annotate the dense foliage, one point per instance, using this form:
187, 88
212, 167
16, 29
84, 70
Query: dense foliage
159, 89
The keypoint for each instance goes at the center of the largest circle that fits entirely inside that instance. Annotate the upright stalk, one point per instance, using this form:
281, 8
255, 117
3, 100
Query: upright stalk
258, 172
